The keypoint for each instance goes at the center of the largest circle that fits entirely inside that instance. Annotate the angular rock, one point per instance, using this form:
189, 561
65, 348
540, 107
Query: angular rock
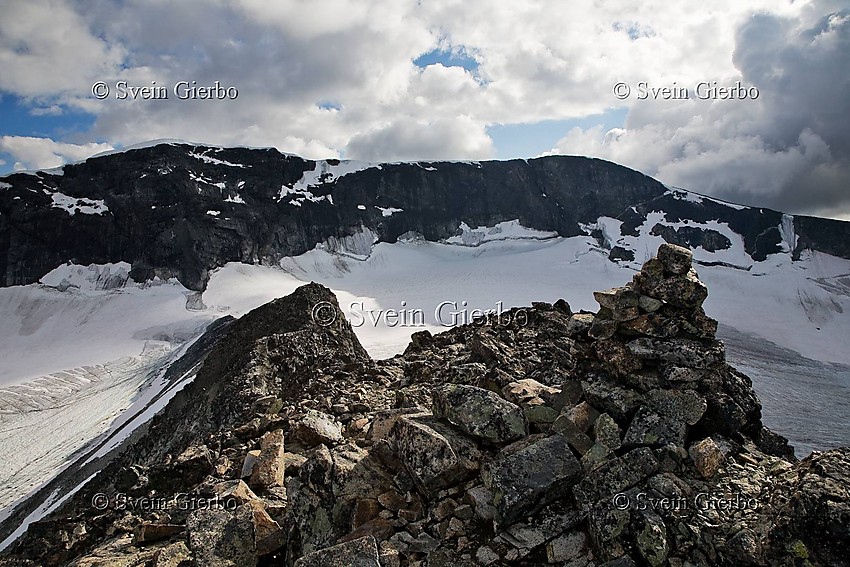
566, 547
384, 420
362, 552
236, 490
602, 328
481, 499
579, 323
617, 358
680, 291
650, 428
480, 413
616, 475
679, 352
675, 259
708, 454
649, 304
249, 463
192, 465
219, 539
582, 415
486, 556
534, 475
148, 532
686, 406
174, 555
433, 454
577, 439
540, 414
617, 298
607, 432
269, 468
651, 538
618, 402
595, 456
608, 528
530, 392
650, 325
317, 428
268, 535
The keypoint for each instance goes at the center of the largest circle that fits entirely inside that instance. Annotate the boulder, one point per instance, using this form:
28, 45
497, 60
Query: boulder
534, 475
362, 552
480, 413
679, 352
218, 538
616, 475
708, 454
434, 454
269, 467
317, 428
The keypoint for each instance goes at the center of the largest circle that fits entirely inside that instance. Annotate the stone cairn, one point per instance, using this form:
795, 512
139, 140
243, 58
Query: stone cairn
532, 473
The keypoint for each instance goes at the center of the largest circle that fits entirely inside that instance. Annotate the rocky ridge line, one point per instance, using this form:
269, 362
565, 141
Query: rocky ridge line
542, 437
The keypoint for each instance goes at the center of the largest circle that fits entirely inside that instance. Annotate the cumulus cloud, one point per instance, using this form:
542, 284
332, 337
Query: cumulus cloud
331, 78
788, 149
413, 139
40, 153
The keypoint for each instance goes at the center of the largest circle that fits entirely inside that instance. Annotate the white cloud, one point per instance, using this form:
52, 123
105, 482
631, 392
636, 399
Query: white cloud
46, 49
42, 153
789, 149
537, 60
412, 139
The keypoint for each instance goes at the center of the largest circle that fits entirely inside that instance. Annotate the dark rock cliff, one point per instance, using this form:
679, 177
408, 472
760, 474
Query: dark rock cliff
540, 436
181, 210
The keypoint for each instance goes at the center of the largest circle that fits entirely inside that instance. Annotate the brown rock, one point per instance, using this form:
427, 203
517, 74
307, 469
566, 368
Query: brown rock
148, 532
708, 454
269, 469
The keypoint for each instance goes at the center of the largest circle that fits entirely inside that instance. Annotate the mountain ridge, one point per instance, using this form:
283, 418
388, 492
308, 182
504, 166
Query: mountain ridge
175, 210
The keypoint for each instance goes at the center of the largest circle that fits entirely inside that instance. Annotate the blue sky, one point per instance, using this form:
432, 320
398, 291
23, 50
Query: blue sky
405, 80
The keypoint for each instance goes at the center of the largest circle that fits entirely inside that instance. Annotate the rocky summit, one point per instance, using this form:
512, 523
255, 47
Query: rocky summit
536, 436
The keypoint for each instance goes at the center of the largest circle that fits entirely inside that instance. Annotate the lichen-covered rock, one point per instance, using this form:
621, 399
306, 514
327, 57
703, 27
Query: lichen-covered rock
536, 474
607, 432
616, 475
679, 352
615, 400
218, 538
435, 455
675, 259
651, 538
362, 552
480, 413
318, 428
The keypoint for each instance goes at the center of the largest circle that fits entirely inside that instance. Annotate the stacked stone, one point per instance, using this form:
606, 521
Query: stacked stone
664, 300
